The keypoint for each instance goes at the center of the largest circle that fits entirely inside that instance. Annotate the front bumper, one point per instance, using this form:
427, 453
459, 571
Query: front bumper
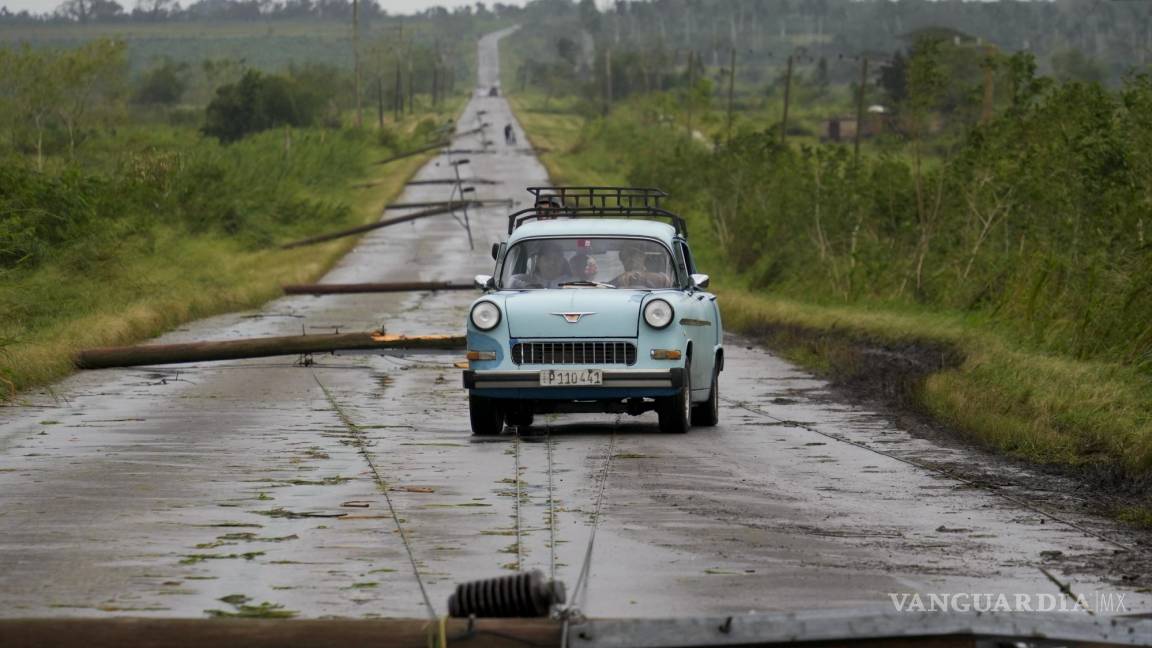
672, 378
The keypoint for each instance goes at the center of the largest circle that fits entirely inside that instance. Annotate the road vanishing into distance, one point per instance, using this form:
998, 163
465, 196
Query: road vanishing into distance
161, 491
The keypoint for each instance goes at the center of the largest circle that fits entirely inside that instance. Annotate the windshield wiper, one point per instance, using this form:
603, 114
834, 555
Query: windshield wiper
595, 284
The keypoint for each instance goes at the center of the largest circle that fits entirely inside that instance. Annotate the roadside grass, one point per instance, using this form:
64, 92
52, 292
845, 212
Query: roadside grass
1091, 417
151, 282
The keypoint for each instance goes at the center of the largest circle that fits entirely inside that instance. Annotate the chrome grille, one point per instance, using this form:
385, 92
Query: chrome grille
592, 353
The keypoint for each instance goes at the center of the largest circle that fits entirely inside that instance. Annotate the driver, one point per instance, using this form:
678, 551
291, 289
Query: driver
635, 274
550, 270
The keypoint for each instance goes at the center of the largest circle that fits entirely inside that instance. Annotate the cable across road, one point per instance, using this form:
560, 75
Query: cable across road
362, 446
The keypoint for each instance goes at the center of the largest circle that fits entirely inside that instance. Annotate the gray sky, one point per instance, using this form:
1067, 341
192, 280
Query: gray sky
391, 6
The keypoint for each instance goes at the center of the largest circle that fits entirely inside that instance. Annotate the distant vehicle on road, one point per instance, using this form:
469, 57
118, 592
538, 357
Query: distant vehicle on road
596, 305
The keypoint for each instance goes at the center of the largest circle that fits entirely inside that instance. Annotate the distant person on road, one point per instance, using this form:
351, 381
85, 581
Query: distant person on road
509, 135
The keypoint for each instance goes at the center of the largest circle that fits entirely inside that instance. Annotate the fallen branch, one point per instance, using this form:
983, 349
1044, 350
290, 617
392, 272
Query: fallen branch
397, 286
133, 356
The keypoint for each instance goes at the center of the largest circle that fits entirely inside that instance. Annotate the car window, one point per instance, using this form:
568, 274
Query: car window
587, 262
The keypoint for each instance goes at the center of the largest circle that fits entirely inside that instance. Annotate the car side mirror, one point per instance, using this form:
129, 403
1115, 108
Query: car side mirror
700, 280
485, 282
495, 251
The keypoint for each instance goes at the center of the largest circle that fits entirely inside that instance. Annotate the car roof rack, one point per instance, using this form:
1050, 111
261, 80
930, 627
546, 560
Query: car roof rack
642, 203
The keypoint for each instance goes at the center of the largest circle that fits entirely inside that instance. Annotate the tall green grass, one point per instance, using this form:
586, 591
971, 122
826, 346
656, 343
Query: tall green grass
1028, 384
155, 226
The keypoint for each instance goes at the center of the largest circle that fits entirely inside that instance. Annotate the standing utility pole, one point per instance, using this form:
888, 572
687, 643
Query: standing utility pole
356, 60
787, 98
731, 87
860, 108
989, 86
607, 80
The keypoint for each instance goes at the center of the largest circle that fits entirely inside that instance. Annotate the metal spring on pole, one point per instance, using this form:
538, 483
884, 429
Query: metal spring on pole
522, 595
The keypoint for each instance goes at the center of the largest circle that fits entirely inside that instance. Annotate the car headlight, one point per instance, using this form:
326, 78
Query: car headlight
485, 315
658, 313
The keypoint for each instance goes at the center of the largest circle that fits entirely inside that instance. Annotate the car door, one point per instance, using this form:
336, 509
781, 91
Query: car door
700, 323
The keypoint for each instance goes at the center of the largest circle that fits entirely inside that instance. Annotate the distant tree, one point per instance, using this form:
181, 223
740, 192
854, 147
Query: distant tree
258, 102
78, 10
589, 16
155, 9
104, 10
822, 72
29, 90
1073, 65
164, 84
91, 80
568, 50
893, 78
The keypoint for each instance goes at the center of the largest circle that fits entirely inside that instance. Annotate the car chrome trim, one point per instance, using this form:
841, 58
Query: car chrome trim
574, 352
574, 317
687, 321
530, 379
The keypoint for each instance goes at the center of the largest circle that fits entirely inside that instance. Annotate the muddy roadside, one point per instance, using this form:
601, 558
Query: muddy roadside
888, 377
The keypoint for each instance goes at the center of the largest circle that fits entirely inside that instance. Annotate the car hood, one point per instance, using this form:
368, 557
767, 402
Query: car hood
606, 313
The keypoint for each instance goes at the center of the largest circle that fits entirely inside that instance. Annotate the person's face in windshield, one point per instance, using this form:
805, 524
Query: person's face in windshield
632, 259
550, 264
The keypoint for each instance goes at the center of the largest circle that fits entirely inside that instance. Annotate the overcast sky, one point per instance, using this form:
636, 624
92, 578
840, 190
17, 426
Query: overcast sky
391, 6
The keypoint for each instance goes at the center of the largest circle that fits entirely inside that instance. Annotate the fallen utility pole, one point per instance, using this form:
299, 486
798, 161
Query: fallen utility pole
354, 288
367, 228
418, 151
438, 203
266, 633
452, 181
459, 203
437, 145
150, 354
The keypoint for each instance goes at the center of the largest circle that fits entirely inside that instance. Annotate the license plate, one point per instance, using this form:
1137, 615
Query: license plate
570, 377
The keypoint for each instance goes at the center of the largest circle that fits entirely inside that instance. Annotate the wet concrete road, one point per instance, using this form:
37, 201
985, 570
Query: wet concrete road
159, 492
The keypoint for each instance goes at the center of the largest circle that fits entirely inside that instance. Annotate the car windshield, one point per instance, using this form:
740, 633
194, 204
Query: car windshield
588, 263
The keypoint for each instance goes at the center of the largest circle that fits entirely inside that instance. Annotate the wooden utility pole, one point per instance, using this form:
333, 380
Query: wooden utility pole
607, 80
860, 108
397, 93
731, 89
787, 98
411, 100
148, 354
356, 61
989, 86
380, 101
691, 98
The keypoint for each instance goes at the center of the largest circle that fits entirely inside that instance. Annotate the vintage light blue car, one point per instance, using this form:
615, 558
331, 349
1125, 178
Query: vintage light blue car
595, 306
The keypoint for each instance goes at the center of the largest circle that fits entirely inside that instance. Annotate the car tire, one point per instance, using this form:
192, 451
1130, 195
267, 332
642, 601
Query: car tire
486, 415
520, 419
707, 414
675, 411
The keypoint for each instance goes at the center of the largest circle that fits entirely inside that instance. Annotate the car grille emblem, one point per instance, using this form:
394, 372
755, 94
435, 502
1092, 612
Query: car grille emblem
572, 318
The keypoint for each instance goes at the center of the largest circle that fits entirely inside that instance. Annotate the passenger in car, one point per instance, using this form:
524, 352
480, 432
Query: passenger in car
583, 267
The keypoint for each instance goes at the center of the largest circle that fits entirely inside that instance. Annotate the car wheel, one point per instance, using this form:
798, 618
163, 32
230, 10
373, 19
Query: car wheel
520, 419
487, 416
707, 414
675, 411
